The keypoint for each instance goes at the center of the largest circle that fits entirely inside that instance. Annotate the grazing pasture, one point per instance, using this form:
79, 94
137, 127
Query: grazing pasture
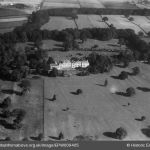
97, 110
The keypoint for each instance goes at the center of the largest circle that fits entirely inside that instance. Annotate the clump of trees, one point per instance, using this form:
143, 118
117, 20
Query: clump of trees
135, 71
99, 63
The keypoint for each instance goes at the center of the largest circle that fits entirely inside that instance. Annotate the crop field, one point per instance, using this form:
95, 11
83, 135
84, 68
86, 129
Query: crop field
143, 22
97, 110
31, 102
72, 4
59, 23
90, 21
120, 22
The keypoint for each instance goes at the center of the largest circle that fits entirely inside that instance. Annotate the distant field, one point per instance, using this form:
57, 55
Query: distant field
120, 22
143, 22
97, 110
119, 5
72, 4
9, 26
32, 103
59, 23
4, 12
90, 21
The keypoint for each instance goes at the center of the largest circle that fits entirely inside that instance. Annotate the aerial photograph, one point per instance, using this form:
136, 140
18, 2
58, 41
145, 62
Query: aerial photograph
74, 70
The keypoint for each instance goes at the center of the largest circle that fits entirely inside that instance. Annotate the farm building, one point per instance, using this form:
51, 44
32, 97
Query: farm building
67, 64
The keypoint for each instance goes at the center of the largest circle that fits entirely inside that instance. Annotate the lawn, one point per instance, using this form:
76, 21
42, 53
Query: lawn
32, 103
97, 110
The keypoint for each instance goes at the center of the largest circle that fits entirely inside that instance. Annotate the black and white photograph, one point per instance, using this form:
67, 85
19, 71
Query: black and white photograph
74, 70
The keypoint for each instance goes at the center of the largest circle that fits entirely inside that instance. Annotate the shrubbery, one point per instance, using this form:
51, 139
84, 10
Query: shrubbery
123, 75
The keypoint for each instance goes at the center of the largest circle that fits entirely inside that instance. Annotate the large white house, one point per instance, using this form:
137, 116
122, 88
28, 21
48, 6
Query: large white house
67, 64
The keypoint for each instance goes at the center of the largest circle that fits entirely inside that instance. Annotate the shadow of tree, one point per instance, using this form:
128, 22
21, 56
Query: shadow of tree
10, 91
74, 93
146, 132
115, 77
144, 89
110, 135
122, 94
101, 85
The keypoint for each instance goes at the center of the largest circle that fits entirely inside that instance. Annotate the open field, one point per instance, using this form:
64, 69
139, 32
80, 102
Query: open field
59, 23
97, 110
31, 102
143, 22
120, 22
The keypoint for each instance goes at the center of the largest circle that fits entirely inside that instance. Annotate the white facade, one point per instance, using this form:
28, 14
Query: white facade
66, 65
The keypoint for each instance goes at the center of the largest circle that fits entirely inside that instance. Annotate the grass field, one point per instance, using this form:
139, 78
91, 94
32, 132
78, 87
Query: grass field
97, 110
90, 21
32, 103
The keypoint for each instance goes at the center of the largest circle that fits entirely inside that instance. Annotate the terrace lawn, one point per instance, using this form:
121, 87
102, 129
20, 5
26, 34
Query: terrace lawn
97, 110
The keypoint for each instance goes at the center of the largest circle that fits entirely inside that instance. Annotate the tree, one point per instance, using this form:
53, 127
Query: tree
135, 70
140, 33
121, 42
25, 85
123, 75
121, 133
105, 19
79, 91
16, 75
130, 91
131, 19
